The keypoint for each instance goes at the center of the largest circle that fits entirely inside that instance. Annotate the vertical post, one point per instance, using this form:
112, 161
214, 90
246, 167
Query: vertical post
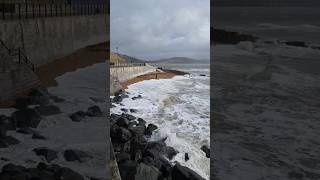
65, 9
45, 10
56, 7
39, 6
12, 8
32, 9
19, 55
3, 10
19, 8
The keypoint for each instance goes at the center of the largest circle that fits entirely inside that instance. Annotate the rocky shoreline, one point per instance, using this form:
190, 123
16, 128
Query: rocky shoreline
139, 157
30, 111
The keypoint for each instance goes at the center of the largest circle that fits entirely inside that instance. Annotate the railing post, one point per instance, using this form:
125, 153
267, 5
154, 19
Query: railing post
45, 10
19, 7
26, 10
19, 55
3, 10
39, 15
33, 10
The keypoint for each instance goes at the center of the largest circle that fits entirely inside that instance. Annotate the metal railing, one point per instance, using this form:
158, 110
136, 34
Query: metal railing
9, 11
118, 65
22, 57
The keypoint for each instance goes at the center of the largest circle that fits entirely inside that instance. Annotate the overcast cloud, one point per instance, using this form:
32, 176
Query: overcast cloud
154, 29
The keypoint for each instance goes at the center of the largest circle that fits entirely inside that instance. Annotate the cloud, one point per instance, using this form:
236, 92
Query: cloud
154, 29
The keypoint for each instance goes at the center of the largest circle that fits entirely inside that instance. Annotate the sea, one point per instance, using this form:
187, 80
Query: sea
180, 107
283, 23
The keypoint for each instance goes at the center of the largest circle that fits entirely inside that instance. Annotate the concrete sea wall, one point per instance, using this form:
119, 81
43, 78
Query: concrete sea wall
47, 39
122, 74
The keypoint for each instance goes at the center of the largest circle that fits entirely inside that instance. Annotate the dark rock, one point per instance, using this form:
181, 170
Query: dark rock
48, 110
123, 122
184, 173
4, 159
22, 103
226, 37
186, 157
78, 116
145, 172
138, 130
171, 152
206, 150
12, 169
295, 175
26, 131
117, 99
128, 116
141, 121
3, 128
26, 118
120, 134
56, 99
136, 97
94, 111
133, 110
39, 96
122, 157
133, 123
46, 152
8, 122
68, 174
7, 141
150, 129
124, 109
75, 155
128, 170
37, 135
296, 43
202, 75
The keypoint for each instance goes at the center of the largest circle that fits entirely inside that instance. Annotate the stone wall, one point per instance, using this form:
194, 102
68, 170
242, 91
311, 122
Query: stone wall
122, 74
47, 39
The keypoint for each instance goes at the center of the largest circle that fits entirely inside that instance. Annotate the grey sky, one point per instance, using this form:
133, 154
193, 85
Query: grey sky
266, 2
154, 29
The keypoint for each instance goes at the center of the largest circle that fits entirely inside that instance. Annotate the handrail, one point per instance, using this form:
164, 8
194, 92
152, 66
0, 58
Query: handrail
13, 10
22, 57
116, 65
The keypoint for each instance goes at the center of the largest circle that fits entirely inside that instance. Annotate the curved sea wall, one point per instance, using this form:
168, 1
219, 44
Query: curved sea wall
121, 74
47, 39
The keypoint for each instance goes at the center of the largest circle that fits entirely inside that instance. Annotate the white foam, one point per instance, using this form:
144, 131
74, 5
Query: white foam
180, 108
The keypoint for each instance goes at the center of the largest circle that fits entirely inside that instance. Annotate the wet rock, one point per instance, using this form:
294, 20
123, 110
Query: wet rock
124, 109
94, 111
123, 122
128, 116
75, 155
128, 170
136, 97
186, 157
226, 37
133, 123
3, 128
117, 99
206, 150
184, 173
120, 134
25, 131
133, 110
202, 75
296, 43
37, 135
171, 152
121, 157
8, 122
26, 118
145, 172
47, 153
150, 129
4, 159
68, 174
56, 99
141, 121
138, 130
48, 110
7, 141
78, 116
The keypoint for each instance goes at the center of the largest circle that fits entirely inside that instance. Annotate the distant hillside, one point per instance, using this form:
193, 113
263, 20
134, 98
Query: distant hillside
122, 58
179, 60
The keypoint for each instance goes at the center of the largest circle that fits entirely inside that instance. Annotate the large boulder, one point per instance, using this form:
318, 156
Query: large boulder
26, 118
78, 116
94, 111
48, 110
184, 173
47, 153
171, 152
128, 170
150, 129
145, 172
75, 155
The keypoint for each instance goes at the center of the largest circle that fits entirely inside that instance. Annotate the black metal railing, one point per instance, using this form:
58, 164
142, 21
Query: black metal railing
18, 52
10, 11
117, 65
